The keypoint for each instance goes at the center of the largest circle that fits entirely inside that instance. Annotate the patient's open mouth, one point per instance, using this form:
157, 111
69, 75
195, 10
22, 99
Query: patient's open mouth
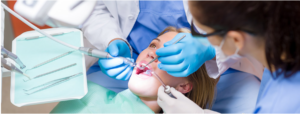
139, 71
145, 71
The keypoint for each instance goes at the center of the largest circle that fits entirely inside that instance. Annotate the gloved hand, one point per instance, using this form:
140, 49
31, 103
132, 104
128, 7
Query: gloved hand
116, 68
186, 56
180, 105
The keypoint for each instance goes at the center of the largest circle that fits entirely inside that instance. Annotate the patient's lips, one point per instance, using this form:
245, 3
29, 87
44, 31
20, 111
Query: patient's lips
146, 70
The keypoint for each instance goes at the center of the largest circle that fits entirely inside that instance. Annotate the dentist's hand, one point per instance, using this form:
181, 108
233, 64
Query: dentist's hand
186, 56
116, 68
180, 105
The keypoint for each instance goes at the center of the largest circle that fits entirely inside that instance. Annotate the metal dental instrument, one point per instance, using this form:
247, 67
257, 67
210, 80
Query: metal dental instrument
158, 56
50, 60
11, 67
128, 62
11, 55
167, 87
52, 71
51, 83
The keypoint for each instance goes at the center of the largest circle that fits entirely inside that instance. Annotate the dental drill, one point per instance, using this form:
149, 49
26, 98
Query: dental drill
14, 57
11, 67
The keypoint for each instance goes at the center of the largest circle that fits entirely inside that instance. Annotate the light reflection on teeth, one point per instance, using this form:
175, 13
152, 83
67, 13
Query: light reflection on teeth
148, 72
145, 65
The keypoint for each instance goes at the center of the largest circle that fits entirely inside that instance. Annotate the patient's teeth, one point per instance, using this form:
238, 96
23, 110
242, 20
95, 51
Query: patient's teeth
148, 72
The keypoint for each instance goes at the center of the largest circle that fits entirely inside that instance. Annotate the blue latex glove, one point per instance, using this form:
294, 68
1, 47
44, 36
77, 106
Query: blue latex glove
186, 56
116, 68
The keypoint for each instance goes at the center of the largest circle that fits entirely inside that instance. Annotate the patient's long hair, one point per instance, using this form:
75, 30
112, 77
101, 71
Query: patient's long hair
203, 86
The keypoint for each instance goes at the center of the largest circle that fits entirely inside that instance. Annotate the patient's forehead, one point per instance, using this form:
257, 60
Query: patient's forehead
167, 36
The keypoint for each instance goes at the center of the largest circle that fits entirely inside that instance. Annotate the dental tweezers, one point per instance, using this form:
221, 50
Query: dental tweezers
50, 84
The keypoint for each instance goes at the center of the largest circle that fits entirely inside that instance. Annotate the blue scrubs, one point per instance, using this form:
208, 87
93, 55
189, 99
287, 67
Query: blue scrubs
265, 79
154, 17
236, 92
280, 94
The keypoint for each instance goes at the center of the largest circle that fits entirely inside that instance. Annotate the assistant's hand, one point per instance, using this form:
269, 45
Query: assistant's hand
186, 56
116, 68
180, 105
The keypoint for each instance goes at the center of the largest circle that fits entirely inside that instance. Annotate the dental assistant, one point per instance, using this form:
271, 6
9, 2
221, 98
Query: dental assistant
125, 28
267, 31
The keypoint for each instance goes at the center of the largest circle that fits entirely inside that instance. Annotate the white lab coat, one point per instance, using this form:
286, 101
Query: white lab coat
115, 19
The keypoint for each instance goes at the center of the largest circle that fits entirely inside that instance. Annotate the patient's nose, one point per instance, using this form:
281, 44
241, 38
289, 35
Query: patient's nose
152, 55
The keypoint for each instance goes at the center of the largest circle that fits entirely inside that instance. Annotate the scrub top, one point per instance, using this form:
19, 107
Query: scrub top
153, 18
236, 92
265, 79
280, 94
101, 100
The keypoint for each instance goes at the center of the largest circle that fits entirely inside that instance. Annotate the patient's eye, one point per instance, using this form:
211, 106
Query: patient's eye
152, 45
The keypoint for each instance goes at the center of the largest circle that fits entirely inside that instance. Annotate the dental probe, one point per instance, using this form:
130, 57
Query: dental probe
167, 87
12, 67
158, 56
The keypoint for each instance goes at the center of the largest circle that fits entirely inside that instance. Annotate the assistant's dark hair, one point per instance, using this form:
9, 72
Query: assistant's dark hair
276, 22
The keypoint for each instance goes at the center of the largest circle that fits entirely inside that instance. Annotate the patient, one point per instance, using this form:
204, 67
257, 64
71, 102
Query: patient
141, 97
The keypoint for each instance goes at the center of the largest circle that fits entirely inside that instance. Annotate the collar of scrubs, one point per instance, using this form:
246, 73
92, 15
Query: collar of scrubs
36, 51
229, 71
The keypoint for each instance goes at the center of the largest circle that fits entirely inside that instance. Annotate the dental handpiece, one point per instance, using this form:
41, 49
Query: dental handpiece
95, 52
14, 57
102, 55
11, 67
167, 87
158, 56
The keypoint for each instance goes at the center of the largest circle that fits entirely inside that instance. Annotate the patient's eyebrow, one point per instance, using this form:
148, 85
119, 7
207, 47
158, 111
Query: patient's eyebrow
157, 39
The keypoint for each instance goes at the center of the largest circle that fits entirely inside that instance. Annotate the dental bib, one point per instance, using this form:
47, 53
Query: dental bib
102, 100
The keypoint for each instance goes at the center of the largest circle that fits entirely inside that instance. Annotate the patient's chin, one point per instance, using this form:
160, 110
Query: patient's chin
142, 87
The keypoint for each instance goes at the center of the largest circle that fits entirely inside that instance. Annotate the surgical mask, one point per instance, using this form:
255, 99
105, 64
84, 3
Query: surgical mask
223, 57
